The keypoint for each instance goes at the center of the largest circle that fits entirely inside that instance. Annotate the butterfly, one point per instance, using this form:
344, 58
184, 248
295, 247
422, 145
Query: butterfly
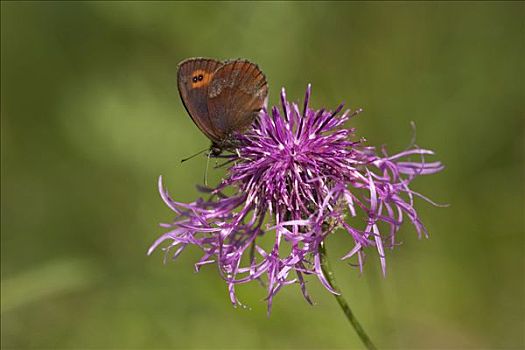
222, 98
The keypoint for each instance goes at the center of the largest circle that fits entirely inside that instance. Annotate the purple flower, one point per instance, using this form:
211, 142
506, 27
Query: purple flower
299, 176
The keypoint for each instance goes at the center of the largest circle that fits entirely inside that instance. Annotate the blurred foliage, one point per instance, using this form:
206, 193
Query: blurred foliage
91, 116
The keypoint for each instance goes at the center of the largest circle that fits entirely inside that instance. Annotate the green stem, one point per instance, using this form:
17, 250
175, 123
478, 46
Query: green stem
327, 271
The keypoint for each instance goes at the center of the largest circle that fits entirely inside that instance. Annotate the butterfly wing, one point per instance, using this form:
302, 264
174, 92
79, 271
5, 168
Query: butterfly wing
236, 94
193, 78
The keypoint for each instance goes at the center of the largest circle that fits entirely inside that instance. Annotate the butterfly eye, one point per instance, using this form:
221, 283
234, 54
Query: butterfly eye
195, 79
200, 77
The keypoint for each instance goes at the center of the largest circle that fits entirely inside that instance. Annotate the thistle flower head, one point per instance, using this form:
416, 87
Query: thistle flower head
298, 175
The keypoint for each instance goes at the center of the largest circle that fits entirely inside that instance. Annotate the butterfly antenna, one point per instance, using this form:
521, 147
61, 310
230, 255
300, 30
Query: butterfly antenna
193, 156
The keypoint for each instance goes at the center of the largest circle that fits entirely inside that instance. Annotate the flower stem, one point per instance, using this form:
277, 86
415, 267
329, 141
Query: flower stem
327, 271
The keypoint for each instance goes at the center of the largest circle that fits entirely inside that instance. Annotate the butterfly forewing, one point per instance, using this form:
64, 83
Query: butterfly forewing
236, 94
194, 77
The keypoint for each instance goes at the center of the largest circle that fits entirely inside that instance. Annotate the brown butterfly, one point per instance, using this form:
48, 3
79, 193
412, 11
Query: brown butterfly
222, 98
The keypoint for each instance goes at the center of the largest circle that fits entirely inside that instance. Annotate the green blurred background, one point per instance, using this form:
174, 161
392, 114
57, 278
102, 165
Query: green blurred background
91, 117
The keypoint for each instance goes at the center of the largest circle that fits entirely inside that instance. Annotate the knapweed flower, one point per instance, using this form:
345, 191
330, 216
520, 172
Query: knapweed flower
299, 175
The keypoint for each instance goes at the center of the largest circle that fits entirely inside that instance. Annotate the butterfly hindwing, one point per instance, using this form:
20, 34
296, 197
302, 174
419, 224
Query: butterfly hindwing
236, 94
